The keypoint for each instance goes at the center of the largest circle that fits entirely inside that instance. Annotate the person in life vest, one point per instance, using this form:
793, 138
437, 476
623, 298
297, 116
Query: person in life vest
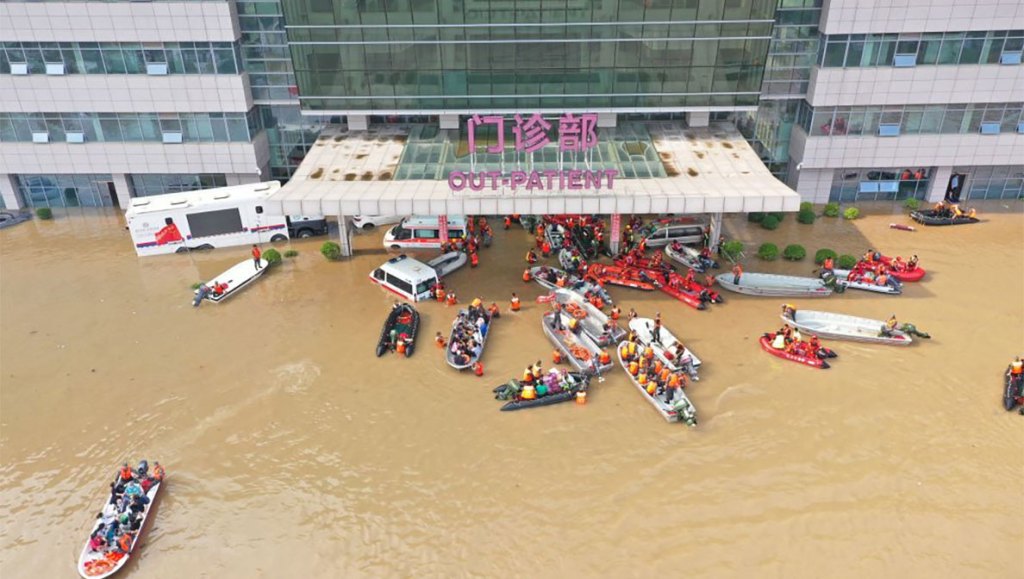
508, 221
869, 256
528, 375
556, 356
256, 256
474, 259
605, 358
737, 273
440, 341
912, 264
494, 310
538, 371
829, 264
545, 249
574, 325
400, 345
478, 369
689, 279
526, 275
451, 300
815, 345
890, 326
972, 213
561, 281
514, 302
779, 341
124, 544
615, 313
126, 472
439, 293
531, 256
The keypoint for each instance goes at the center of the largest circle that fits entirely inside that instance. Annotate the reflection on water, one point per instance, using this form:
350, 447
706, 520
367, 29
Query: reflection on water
293, 451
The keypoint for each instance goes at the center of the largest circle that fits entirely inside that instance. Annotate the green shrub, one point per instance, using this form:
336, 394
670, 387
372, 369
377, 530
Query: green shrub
831, 210
777, 215
44, 213
732, 249
755, 217
806, 217
851, 213
846, 261
823, 254
291, 253
272, 256
770, 222
331, 250
794, 252
912, 204
807, 206
768, 251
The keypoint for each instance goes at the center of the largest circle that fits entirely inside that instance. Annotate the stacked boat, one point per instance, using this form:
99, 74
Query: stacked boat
689, 257
595, 323
548, 277
767, 284
579, 349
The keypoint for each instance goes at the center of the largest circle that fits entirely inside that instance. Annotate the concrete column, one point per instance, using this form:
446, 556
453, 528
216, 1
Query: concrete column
10, 193
716, 231
607, 120
345, 236
814, 185
698, 119
939, 181
449, 122
123, 190
358, 122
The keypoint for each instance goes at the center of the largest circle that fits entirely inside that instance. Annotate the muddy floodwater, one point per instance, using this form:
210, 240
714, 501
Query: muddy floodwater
292, 451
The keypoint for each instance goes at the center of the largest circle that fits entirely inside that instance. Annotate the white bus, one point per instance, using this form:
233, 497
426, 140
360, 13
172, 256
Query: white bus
205, 219
422, 232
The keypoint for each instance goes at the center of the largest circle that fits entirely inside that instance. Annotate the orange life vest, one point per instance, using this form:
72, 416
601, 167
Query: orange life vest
515, 304
126, 473
1017, 368
526, 275
616, 313
478, 369
474, 259
528, 376
125, 542
605, 358
556, 357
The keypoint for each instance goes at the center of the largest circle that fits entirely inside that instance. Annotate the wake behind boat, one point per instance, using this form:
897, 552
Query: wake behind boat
767, 284
399, 333
843, 327
116, 532
230, 282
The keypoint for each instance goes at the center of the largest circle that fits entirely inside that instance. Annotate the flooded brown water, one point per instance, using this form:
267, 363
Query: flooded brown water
293, 452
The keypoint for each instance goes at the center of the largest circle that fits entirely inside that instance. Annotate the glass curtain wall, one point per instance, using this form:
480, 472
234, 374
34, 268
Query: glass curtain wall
144, 185
997, 182
77, 190
889, 184
406, 55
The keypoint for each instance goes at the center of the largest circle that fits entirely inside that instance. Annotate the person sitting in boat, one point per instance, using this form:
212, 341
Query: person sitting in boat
828, 265
971, 213
881, 279
789, 311
531, 256
219, 288
96, 541
815, 344
890, 327
779, 341
912, 263
689, 278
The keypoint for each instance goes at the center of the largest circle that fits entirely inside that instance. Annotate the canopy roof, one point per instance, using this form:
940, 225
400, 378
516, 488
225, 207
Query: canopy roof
661, 167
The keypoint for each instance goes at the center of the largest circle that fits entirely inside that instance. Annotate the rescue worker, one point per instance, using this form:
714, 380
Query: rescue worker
606, 358
815, 345
531, 256
556, 356
439, 340
829, 264
528, 375
574, 325
869, 256
912, 263
538, 371
478, 369
451, 300
439, 293
615, 313
1017, 372
545, 249
514, 302
526, 275
494, 310
124, 544
737, 273
890, 326
474, 259
656, 332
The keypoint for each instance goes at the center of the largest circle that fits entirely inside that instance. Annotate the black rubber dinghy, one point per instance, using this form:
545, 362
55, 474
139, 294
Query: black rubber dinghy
405, 321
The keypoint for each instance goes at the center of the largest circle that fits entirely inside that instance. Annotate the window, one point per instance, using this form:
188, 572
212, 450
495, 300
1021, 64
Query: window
219, 222
378, 274
400, 284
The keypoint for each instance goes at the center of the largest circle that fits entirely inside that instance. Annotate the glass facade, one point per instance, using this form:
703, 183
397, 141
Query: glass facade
992, 118
890, 184
997, 182
265, 51
291, 135
122, 57
144, 185
130, 127
78, 190
408, 55
953, 48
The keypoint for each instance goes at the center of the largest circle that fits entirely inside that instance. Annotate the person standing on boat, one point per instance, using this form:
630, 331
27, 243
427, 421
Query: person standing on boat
737, 273
656, 332
256, 256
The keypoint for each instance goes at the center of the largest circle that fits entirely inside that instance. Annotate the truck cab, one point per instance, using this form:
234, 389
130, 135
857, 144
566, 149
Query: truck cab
303, 226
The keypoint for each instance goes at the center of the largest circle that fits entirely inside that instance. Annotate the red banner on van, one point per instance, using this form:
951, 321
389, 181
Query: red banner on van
168, 234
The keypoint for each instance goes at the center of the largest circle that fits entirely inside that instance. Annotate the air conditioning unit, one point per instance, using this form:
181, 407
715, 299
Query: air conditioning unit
172, 137
40, 137
19, 68
156, 68
55, 68
990, 128
74, 137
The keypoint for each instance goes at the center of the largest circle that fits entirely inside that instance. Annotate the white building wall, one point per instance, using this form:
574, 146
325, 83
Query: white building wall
125, 93
62, 158
118, 21
922, 85
895, 16
911, 150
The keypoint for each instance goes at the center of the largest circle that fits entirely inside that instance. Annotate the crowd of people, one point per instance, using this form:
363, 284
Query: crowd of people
952, 210
122, 516
469, 330
655, 376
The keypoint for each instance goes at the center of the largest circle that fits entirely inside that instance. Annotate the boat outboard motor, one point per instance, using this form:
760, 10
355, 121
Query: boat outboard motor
143, 468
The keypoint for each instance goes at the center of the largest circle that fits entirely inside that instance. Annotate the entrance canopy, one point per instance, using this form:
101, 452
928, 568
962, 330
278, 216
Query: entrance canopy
650, 167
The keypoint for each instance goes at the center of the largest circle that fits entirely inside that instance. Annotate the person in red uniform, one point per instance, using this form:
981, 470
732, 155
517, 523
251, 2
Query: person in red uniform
256, 255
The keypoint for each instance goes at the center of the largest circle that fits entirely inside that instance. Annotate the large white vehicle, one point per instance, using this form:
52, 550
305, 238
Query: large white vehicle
422, 232
205, 219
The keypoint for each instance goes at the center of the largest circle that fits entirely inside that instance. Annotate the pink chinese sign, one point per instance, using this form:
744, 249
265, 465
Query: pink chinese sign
576, 134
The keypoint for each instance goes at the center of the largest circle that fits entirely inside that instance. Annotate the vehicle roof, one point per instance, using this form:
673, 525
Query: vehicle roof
220, 195
408, 268
428, 220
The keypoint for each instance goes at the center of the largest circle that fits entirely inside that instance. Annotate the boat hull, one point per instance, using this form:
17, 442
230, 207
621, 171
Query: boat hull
893, 288
930, 218
681, 409
449, 356
843, 327
769, 285
812, 361
567, 343
89, 565
394, 321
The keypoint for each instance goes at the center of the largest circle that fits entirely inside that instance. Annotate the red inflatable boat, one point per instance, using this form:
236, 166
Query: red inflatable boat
624, 276
812, 361
901, 272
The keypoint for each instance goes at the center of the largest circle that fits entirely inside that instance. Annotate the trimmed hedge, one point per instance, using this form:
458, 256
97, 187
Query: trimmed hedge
770, 222
331, 250
806, 217
272, 256
755, 217
806, 206
44, 213
846, 261
768, 251
912, 204
778, 215
794, 252
831, 210
851, 213
291, 253
732, 249
823, 254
